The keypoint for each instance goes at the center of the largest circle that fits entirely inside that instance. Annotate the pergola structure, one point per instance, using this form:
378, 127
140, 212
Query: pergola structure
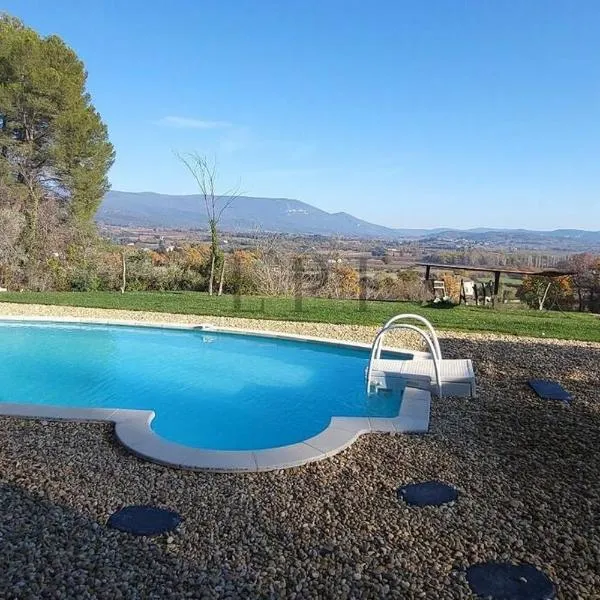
497, 271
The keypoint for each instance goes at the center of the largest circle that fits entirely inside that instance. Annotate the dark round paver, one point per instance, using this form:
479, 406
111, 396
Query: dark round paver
505, 581
144, 520
427, 493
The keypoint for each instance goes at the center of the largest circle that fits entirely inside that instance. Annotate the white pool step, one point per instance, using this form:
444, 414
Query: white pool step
457, 376
433, 374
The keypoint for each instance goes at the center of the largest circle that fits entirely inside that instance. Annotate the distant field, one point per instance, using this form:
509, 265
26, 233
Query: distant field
524, 322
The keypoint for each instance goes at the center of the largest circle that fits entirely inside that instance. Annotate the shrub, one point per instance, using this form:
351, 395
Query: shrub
342, 282
85, 280
405, 285
539, 292
452, 285
240, 273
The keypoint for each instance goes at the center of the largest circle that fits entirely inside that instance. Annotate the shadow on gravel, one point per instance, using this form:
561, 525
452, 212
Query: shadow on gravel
51, 551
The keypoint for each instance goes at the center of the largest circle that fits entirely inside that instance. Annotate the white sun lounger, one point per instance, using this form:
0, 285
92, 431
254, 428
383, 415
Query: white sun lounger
435, 374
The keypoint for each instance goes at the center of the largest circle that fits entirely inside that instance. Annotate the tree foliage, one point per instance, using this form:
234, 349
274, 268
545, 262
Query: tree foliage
552, 292
586, 280
54, 147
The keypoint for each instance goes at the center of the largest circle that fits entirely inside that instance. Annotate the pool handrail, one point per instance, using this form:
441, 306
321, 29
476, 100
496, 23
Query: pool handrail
429, 336
413, 317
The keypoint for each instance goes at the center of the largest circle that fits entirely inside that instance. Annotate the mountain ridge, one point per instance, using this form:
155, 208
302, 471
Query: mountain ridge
287, 215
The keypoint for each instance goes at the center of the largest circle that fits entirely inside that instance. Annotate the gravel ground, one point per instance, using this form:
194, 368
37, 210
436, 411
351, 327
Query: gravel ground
527, 471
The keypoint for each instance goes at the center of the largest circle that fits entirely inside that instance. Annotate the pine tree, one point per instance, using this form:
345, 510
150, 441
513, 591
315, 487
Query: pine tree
53, 143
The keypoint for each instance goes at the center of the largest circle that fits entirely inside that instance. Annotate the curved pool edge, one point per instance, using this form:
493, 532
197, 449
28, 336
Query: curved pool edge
214, 328
133, 430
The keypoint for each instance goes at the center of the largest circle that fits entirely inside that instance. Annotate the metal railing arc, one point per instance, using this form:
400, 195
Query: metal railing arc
429, 336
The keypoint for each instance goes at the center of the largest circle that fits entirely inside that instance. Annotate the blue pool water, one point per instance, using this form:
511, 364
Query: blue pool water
208, 390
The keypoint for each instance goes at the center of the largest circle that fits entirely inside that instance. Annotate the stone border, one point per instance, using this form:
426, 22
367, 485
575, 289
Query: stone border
133, 429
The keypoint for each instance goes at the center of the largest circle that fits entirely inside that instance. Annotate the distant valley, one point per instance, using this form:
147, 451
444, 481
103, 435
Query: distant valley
283, 215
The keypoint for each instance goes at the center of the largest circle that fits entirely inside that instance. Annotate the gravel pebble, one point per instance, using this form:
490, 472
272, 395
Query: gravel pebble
526, 470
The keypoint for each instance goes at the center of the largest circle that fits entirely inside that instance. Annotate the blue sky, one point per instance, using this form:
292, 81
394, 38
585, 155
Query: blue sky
411, 114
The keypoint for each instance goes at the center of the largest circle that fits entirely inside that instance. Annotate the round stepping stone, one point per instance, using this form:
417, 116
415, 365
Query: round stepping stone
505, 581
427, 493
144, 520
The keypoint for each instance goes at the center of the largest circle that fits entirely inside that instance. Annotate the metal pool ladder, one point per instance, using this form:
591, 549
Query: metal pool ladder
456, 376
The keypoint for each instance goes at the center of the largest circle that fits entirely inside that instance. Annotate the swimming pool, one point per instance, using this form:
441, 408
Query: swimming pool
198, 388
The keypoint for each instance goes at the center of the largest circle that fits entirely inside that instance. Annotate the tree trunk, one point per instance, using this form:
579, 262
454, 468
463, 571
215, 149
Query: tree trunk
544, 296
32, 217
4, 149
30, 238
123, 273
220, 292
214, 250
212, 276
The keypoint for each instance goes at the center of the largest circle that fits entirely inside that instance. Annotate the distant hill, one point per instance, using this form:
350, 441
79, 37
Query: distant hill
245, 214
283, 215
576, 240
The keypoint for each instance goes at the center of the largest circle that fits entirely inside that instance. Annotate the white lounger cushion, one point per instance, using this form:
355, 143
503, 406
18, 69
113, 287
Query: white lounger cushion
458, 377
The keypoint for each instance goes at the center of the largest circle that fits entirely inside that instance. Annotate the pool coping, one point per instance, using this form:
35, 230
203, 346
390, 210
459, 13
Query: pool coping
133, 427
210, 327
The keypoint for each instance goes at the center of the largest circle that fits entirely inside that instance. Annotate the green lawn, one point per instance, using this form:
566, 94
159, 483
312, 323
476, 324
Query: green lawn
516, 321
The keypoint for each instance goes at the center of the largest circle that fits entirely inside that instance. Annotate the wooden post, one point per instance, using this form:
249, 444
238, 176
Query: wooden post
237, 297
496, 282
496, 288
427, 272
298, 278
362, 282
